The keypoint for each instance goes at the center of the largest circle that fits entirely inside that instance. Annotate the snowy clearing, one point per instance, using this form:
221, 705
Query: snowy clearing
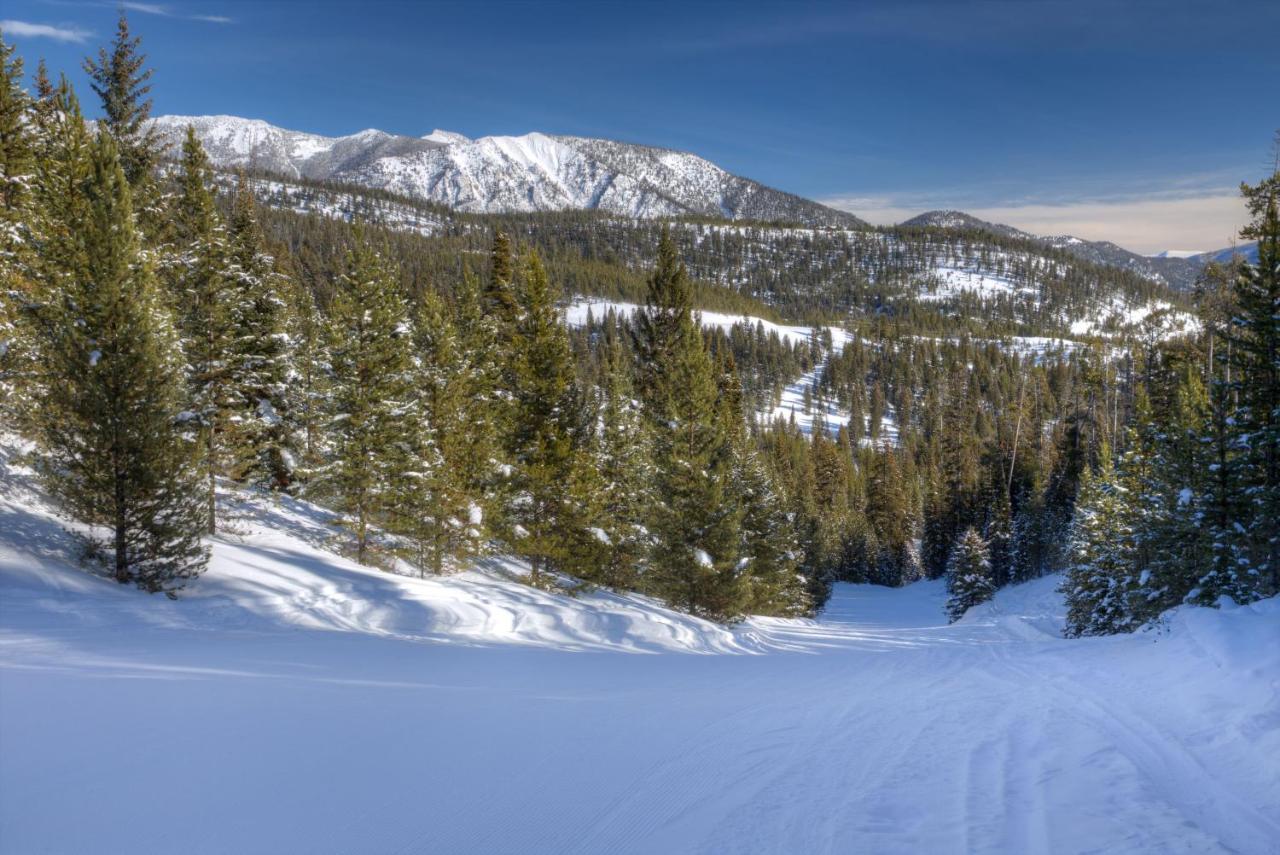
293, 702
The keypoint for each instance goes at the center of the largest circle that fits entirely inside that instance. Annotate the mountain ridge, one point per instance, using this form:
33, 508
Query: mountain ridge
505, 174
1180, 273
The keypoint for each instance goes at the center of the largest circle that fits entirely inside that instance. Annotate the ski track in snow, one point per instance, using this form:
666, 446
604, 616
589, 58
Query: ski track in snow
291, 701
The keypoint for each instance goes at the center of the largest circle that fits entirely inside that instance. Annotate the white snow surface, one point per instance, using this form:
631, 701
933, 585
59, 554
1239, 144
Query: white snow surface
291, 701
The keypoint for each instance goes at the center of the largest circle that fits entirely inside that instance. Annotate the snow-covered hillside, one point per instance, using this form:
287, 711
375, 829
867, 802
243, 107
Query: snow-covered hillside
534, 172
291, 701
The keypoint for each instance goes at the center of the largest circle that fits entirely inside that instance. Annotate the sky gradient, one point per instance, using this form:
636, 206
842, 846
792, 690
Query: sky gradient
1128, 121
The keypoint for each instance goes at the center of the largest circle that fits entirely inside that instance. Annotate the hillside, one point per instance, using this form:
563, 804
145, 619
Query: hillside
1175, 270
534, 172
289, 683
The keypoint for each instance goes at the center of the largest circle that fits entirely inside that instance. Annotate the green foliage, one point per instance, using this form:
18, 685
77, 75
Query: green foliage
969, 576
111, 396
373, 423
695, 522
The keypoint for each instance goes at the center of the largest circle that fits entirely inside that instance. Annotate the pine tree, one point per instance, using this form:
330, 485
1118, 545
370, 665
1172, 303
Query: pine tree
310, 391
195, 267
1095, 586
1175, 535
769, 546
17, 173
622, 459
17, 149
260, 367
694, 563
477, 372
547, 513
121, 82
501, 302
374, 426
449, 527
1256, 353
969, 579
111, 398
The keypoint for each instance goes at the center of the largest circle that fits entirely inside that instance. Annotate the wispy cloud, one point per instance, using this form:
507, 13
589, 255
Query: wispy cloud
1145, 224
44, 31
159, 9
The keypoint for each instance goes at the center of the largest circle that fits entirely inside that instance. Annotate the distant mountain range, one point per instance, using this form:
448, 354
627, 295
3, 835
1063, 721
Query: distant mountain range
534, 172
541, 172
1178, 269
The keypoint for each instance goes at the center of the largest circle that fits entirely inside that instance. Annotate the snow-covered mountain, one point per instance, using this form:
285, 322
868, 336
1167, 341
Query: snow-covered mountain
534, 172
1247, 251
1178, 253
1169, 268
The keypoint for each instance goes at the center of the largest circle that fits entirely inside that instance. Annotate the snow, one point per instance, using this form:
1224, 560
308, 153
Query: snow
291, 701
1179, 253
948, 282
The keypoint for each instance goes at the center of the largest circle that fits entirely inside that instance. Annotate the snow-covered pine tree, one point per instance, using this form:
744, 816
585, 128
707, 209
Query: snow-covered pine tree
264, 435
1177, 537
1256, 425
477, 372
112, 450
17, 174
622, 459
969, 579
451, 526
998, 532
1097, 584
695, 524
195, 268
308, 394
769, 547
373, 422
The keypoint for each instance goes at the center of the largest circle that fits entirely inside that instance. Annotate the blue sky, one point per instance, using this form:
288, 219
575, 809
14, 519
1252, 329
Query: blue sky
1127, 120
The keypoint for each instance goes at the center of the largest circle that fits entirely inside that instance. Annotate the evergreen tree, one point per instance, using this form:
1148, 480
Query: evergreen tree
769, 546
17, 149
477, 372
1095, 586
113, 453
694, 563
309, 392
969, 579
260, 367
17, 173
547, 514
1256, 353
622, 459
196, 269
374, 423
450, 526
121, 82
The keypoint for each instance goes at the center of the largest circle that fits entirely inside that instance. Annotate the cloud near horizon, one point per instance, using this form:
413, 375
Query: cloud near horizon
44, 31
1145, 225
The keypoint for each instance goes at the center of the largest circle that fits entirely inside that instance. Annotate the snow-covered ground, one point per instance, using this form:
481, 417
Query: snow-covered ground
291, 701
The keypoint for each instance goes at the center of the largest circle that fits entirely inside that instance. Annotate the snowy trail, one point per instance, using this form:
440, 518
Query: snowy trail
293, 702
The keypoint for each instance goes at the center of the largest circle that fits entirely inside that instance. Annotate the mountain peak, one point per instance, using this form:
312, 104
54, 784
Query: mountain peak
533, 172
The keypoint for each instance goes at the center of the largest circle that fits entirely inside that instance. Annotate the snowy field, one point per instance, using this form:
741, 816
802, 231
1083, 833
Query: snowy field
292, 702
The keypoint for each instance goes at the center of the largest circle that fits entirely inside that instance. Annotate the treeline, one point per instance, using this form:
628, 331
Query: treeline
1187, 509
